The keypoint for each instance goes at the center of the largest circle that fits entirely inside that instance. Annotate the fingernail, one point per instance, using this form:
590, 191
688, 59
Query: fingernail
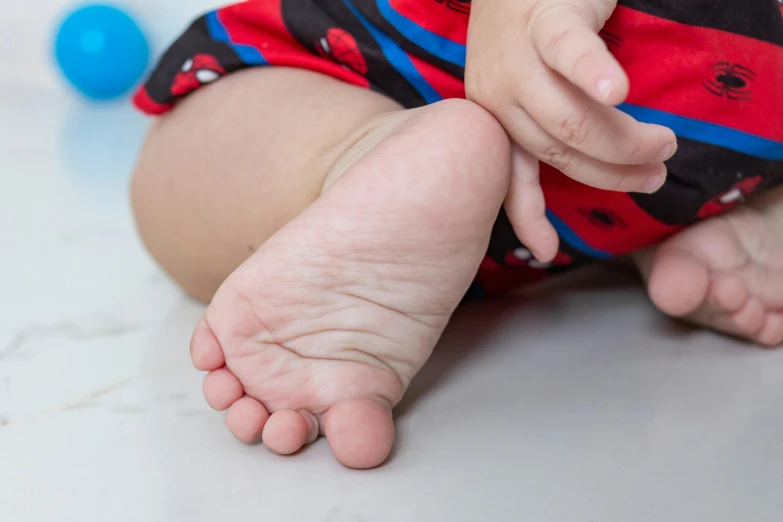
604, 88
653, 184
666, 152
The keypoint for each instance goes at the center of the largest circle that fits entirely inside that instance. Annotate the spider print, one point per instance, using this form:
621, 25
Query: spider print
730, 80
196, 71
611, 39
730, 198
460, 6
523, 258
340, 45
603, 218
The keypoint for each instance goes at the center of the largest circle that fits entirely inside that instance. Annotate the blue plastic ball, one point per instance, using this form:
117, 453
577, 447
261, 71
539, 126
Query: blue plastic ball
101, 51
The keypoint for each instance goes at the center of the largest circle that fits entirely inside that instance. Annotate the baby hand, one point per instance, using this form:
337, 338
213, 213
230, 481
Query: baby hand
541, 69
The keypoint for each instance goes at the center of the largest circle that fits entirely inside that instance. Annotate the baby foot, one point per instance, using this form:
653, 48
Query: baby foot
725, 273
323, 328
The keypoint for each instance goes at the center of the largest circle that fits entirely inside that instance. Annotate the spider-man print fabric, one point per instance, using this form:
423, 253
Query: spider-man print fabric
708, 69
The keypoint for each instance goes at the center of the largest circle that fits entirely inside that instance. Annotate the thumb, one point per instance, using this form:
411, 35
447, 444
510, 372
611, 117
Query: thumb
565, 36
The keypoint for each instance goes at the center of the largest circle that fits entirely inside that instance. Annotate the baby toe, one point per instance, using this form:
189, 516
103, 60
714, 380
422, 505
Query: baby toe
728, 294
205, 350
749, 319
246, 418
360, 432
678, 282
771, 333
287, 431
222, 389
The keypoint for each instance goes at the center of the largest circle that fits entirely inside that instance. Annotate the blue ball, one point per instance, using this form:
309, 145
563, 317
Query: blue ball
101, 51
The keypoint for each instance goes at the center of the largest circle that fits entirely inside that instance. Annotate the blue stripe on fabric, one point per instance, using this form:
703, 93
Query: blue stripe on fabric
710, 133
435, 44
573, 240
247, 53
398, 58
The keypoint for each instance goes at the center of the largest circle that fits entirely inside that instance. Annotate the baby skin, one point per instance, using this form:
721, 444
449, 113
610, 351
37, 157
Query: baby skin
335, 233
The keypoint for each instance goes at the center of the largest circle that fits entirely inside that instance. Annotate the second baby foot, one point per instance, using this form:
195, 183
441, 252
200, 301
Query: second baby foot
725, 273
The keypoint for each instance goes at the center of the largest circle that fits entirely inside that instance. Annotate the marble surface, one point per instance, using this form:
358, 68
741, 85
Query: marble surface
574, 403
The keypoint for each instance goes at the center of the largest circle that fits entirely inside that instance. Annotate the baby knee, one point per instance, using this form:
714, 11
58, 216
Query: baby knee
144, 186
160, 230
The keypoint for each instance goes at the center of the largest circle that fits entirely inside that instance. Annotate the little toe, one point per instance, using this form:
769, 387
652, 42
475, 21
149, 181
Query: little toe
287, 431
360, 432
678, 282
246, 418
771, 333
205, 350
222, 389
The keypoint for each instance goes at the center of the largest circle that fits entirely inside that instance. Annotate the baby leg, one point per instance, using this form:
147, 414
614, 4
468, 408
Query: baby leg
235, 162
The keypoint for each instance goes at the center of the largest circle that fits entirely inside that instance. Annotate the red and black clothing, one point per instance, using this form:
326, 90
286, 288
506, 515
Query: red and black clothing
708, 69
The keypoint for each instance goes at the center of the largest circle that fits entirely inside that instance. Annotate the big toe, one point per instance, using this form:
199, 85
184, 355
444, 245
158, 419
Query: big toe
678, 282
360, 432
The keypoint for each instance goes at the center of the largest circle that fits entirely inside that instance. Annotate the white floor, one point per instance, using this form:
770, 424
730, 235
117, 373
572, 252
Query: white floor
575, 404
